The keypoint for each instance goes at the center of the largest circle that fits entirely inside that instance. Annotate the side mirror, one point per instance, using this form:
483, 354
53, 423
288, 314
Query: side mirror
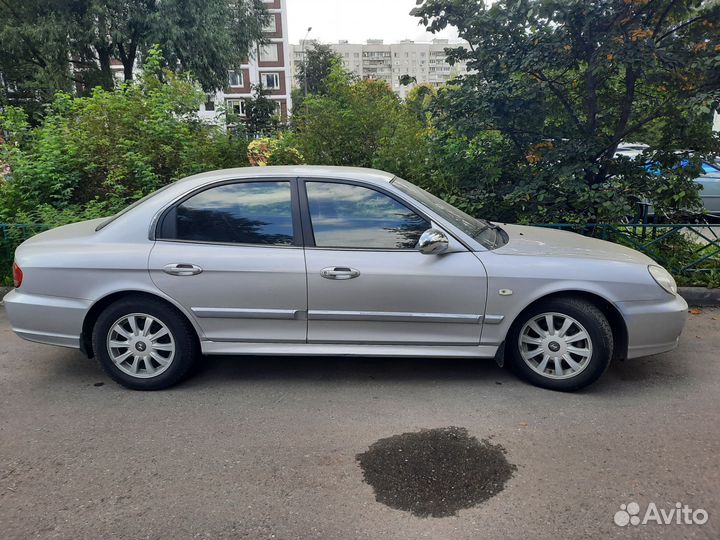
433, 242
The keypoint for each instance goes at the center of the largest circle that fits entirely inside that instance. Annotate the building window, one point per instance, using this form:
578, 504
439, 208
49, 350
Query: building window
235, 106
269, 53
278, 108
271, 81
271, 26
235, 78
209, 103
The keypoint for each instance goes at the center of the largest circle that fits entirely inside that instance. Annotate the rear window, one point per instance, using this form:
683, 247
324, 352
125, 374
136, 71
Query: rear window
240, 213
137, 203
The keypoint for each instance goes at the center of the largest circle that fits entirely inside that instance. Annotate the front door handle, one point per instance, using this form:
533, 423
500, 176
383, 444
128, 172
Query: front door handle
180, 269
339, 272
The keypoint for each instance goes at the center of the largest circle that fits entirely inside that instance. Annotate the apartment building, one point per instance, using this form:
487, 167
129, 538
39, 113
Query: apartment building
268, 65
426, 62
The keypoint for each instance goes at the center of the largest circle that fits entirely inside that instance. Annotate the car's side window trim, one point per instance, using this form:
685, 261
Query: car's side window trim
306, 219
156, 226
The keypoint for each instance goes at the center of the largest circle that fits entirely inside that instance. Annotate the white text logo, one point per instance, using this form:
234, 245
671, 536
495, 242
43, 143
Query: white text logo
680, 514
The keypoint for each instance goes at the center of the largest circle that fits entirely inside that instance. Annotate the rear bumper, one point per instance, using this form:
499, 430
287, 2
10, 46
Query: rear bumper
46, 319
654, 326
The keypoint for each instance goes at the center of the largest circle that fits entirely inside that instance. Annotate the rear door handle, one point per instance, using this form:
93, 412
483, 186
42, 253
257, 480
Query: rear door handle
180, 269
339, 272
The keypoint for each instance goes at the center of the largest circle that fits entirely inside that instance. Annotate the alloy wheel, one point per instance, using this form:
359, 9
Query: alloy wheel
555, 345
140, 345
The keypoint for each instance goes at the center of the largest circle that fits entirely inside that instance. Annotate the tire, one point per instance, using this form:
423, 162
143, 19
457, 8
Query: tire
170, 344
581, 361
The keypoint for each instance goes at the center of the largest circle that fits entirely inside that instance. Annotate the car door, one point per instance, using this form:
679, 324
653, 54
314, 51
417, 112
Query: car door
710, 193
232, 254
367, 282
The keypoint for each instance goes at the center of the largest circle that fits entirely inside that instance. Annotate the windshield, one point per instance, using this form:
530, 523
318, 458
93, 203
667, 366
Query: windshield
479, 230
109, 220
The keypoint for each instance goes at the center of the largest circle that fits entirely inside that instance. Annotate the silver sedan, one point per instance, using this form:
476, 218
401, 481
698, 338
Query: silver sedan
334, 261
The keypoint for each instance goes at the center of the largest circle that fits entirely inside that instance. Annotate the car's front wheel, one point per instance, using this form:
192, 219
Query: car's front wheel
144, 344
561, 343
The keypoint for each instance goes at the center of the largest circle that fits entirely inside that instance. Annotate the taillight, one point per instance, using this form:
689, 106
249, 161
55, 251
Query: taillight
17, 275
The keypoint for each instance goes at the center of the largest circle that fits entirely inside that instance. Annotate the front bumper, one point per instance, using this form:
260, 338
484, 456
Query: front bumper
654, 326
46, 319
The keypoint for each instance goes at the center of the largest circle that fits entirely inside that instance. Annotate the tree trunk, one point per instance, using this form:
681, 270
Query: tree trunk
127, 57
105, 70
128, 69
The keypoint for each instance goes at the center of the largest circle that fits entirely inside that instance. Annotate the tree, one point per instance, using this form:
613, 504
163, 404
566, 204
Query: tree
419, 101
319, 61
559, 84
362, 124
34, 52
407, 80
205, 37
261, 113
48, 45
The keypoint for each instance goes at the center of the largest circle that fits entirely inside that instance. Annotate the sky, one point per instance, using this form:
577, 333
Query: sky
357, 21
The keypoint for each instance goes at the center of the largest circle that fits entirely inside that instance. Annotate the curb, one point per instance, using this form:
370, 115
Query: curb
700, 296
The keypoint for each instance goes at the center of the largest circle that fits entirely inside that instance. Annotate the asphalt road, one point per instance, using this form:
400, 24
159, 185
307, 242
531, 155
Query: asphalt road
266, 447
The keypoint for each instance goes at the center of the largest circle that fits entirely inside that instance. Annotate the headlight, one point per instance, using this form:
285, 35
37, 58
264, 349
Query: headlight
663, 278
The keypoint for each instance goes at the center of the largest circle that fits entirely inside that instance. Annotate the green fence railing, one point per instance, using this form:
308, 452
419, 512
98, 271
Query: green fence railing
686, 249
683, 248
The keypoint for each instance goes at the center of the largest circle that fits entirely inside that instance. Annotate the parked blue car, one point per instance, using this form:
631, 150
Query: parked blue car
709, 180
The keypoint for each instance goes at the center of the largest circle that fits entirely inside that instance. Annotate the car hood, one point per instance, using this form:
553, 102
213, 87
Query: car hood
545, 242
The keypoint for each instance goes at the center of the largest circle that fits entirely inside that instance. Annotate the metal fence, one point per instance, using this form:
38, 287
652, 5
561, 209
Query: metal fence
683, 248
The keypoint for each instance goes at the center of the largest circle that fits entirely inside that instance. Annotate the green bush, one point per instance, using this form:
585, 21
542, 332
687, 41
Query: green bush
361, 124
91, 156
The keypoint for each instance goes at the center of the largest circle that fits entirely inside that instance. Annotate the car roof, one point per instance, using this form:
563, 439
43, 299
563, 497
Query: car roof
290, 171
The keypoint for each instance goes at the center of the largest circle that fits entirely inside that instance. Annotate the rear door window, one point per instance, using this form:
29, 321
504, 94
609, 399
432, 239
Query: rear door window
240, 213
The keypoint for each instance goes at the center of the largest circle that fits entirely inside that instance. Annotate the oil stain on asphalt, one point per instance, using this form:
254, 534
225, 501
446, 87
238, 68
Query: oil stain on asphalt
435, 472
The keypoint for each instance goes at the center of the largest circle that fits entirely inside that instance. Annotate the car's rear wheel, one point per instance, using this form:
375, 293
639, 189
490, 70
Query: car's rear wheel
144, 344
561, 343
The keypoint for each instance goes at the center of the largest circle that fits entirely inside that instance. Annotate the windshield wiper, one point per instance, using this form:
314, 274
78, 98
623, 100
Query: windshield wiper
489, 226
486, 225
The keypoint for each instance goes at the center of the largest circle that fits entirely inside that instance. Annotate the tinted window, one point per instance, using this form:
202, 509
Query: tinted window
350, 216
243, 213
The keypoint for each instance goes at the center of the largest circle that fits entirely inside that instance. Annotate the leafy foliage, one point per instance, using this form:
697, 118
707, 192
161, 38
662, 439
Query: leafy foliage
360, 123
51, 45
318, 63
557, 85
261, 115
276, 150
34, 52
93, 155
529, 134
